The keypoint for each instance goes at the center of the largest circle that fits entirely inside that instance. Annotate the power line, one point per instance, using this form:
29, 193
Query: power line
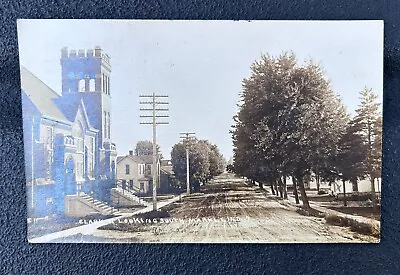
155, 100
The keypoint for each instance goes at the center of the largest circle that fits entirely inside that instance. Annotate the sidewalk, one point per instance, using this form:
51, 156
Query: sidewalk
90, 228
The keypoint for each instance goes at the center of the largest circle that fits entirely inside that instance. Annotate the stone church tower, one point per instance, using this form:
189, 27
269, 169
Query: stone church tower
86, 77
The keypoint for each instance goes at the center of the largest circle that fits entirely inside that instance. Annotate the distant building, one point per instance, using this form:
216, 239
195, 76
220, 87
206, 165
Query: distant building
131, 173
167, 176
67, 137
135, 172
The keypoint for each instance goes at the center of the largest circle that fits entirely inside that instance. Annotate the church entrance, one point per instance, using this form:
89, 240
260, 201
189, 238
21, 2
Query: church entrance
70, 182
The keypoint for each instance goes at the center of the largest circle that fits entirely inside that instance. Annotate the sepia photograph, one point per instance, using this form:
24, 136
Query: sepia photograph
191, 131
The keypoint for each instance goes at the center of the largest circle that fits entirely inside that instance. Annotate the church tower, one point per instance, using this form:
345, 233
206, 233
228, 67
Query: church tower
86, 76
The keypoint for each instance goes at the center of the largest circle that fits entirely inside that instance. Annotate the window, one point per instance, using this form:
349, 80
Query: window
90, 157
79, 145
92, 85
108, 125
103, 83
105, 125
127, 169
131, 184
50, 138
81, 85
108, 87
106, 84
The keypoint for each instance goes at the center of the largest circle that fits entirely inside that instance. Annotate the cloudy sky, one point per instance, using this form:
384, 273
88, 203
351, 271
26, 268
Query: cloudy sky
200, 65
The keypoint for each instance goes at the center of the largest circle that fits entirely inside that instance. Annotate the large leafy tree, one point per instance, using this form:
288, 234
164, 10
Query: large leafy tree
216, 160
289, 119
205, 162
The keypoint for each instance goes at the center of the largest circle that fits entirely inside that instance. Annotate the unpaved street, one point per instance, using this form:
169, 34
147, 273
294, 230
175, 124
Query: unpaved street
229, 210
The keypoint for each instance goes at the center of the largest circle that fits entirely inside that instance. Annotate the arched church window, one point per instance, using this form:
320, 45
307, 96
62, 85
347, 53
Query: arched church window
108, 85
81, 86
92, 85
108, 125
103, 77
105, 124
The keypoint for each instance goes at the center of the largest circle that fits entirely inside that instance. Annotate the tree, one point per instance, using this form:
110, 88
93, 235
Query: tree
178, 159
205, 162
199, 164
145, 148
217, 161
350, 159
369, 122
289, 121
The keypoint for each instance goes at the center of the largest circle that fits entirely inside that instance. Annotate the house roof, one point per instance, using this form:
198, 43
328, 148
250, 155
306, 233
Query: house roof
167, 170
134, 158
165, 162
146, 159
41, 96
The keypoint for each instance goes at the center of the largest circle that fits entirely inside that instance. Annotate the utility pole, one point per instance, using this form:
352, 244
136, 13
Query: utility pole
154, 101
186, 138
32, 159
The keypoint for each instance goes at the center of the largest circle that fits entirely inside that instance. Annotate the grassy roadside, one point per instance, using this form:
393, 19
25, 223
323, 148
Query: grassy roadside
362, 227
366, 228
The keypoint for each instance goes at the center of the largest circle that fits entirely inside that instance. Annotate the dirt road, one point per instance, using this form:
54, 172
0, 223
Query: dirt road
229, 210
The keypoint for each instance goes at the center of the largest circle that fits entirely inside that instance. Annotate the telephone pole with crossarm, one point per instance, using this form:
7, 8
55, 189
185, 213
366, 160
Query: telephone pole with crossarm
155, 109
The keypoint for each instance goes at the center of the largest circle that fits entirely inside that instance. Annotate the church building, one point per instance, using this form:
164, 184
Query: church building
67, 136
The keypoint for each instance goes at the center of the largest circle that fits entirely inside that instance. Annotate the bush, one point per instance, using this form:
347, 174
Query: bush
310, 212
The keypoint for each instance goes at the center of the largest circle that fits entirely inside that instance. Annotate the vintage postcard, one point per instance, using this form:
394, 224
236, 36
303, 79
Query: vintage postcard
152, 131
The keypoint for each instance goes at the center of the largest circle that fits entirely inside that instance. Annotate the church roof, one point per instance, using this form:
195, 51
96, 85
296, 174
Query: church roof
49, 103
69, 107
41, 95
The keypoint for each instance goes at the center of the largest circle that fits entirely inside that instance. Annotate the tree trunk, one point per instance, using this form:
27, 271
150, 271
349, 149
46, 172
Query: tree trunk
272, 189
355, 185
303, 193
280, 184
296, 195
260, 184
284, 188
373, 194
276, 186
344, 193
317, 179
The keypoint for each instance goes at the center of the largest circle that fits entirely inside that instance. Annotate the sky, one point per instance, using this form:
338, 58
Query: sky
200, 65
